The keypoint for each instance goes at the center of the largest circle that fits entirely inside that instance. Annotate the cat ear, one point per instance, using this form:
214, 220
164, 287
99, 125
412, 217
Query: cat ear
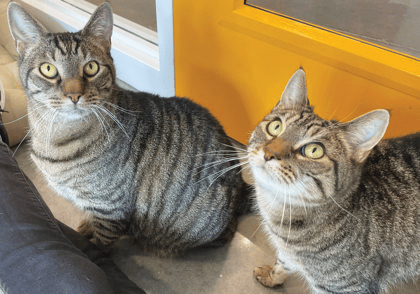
25, 29
294, 95
100, 23
364, 132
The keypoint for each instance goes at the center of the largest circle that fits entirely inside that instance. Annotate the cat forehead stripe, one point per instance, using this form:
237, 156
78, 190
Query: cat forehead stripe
67, 43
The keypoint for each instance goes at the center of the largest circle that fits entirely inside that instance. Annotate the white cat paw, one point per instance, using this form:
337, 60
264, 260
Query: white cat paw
269, 276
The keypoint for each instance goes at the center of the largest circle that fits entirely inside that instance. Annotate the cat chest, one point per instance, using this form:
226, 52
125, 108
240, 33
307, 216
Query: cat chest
89, 185
63, 170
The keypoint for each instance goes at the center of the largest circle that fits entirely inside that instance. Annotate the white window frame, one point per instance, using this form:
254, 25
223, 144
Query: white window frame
143, 58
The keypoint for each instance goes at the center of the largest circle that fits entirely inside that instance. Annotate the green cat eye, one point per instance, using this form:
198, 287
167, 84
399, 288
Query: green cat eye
48, 70
275, 127
313, 150
91, 68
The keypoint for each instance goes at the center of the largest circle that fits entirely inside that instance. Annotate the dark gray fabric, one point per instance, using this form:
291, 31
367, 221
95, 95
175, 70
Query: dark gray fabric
118, 280
3, 133
35, 254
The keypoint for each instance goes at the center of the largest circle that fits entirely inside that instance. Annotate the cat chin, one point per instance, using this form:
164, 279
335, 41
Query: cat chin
269, 171
269, 176
277, 195
72, 114
299, 193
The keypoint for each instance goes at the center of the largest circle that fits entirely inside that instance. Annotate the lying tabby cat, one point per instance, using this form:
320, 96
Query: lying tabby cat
340, 207
160, 170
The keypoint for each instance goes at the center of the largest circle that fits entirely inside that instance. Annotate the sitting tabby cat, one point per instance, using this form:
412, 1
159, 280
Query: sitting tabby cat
340, 207
159, 169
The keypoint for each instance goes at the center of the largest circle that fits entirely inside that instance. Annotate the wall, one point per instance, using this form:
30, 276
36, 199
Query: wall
236, 60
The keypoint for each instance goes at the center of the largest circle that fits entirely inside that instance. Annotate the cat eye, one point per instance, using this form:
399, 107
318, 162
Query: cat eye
48, 70
313, 150
91, 68
274, 128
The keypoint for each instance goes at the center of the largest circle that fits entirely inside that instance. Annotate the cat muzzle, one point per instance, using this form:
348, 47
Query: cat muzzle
73, 90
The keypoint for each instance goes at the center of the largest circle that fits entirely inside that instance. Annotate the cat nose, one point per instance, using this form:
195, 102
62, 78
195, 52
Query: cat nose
73, 89
268, 153
74, 97
276, 150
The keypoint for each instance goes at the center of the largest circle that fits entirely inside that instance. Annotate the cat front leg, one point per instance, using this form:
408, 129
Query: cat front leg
102, 232
271, 276
85, 229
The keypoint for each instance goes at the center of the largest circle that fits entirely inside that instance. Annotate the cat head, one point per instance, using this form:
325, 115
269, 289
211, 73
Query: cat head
295, 153
67, 72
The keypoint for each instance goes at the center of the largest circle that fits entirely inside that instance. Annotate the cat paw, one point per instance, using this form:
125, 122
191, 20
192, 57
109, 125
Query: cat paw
269, 277
85, 229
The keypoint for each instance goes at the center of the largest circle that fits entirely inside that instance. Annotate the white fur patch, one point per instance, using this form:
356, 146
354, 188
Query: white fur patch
274, 190
3, 289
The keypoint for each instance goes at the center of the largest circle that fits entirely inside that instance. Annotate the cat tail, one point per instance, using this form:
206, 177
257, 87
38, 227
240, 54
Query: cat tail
246, 203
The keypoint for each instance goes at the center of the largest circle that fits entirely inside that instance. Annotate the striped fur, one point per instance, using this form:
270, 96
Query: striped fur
349, 221
161, 170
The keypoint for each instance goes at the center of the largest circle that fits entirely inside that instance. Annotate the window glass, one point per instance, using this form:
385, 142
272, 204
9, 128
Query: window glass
142, 12
391, 23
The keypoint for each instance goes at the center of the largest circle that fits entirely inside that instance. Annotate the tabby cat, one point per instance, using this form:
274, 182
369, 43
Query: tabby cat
161, 170
340, 207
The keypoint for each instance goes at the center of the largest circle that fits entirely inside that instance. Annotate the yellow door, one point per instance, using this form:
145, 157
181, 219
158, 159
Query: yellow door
236, 59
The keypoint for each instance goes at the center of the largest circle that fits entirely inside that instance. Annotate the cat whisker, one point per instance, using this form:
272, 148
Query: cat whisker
102, 122
210, 166
221, 151
284, 210
256, 231
114, 118
218, 174
131, 112
222, 172
34, 109
21, 141
304, 204
238, 165
244, 167
101, 118
234, 147
219, 161
49, 131
237, 149
16, 120
106, 125
30, 130
332, 198
290, 221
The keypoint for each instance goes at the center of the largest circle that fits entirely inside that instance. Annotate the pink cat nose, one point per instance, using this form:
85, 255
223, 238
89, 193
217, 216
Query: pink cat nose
74, 97
73, 89
276, 150
268, 154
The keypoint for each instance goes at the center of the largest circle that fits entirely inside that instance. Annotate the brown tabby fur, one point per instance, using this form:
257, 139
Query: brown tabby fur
161, 170
340, 206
